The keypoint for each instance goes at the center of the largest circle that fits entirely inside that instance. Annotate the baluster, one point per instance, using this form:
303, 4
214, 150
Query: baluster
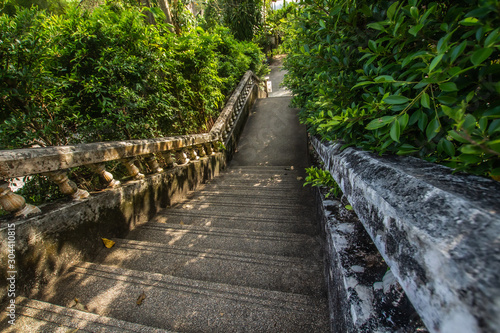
201, 150
14, 203
193, 156
209, 149
153, 164
169, 161
132, 169
66, 186
107, 176
216, 146
181, 157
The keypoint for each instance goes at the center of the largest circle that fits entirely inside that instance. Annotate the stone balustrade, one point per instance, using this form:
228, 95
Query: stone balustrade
54, 162
438, 231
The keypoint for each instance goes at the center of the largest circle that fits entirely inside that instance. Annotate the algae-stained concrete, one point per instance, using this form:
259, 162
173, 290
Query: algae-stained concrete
438, 231
71, 231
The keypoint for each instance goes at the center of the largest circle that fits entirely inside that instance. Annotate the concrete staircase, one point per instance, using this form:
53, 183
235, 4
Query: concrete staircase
241, 254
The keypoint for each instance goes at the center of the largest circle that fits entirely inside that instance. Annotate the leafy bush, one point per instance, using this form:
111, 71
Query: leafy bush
318, 177
107, 75
403, 77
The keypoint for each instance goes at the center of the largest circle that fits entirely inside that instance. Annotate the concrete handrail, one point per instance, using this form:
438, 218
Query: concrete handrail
438, 232
54, 161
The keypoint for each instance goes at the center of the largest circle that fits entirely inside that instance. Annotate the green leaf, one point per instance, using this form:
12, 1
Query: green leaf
432, 129
384, 78
448, 86
457, 136
435, 62
495, 172
469, 123
379, 122
403, 121
376, 26
422, 121
471, 150
415, 29
364, 83
372, 45
396, 99
494, 127
392, 10
448, 147
481, 55
322, 24
470, 21
425, 101
492, 38
395, 131
414, 12
469, 159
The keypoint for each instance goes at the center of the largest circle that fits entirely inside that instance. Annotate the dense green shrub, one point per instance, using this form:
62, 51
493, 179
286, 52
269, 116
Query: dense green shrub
107, 75
403, 77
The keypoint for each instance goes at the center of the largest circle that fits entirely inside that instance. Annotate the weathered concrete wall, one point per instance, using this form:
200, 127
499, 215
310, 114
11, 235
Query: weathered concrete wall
363, 295
71, 231
439, 232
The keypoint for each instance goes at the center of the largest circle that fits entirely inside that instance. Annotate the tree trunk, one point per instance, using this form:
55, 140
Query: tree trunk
166, 9
149, 16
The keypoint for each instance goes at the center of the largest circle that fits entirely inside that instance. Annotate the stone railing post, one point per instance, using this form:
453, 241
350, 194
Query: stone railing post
153, 164
132, 169
14, 203
193, 156
181, 157
107, 176
201, 150
66, 186
169, 160
209, 149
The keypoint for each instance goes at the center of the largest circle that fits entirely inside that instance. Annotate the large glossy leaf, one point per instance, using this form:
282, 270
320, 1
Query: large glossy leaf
396, 99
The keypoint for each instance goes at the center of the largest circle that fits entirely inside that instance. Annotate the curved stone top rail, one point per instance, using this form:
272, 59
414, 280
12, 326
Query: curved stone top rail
438, 231
24, 162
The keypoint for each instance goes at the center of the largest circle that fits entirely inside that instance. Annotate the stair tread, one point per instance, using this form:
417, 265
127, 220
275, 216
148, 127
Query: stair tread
226, 219
269, 242
249, 209
37, 316
289, 274
184, 304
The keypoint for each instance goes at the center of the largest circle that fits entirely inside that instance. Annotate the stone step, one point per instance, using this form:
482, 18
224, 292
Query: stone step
186, 305
260, 169
272, 182
38, 316
287, 274
290, 176
290, 202
253, 195
266, 242
247, 209
227, 219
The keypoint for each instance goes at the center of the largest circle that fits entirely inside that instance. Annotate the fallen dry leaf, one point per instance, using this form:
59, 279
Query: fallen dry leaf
299, 178
75, 304
141, 298
108, 242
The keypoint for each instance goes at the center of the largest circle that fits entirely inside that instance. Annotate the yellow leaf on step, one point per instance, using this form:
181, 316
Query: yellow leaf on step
141, 298
108, 242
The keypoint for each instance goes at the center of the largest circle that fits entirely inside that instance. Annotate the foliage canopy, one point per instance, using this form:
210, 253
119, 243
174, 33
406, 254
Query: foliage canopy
106, 74
405, 77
